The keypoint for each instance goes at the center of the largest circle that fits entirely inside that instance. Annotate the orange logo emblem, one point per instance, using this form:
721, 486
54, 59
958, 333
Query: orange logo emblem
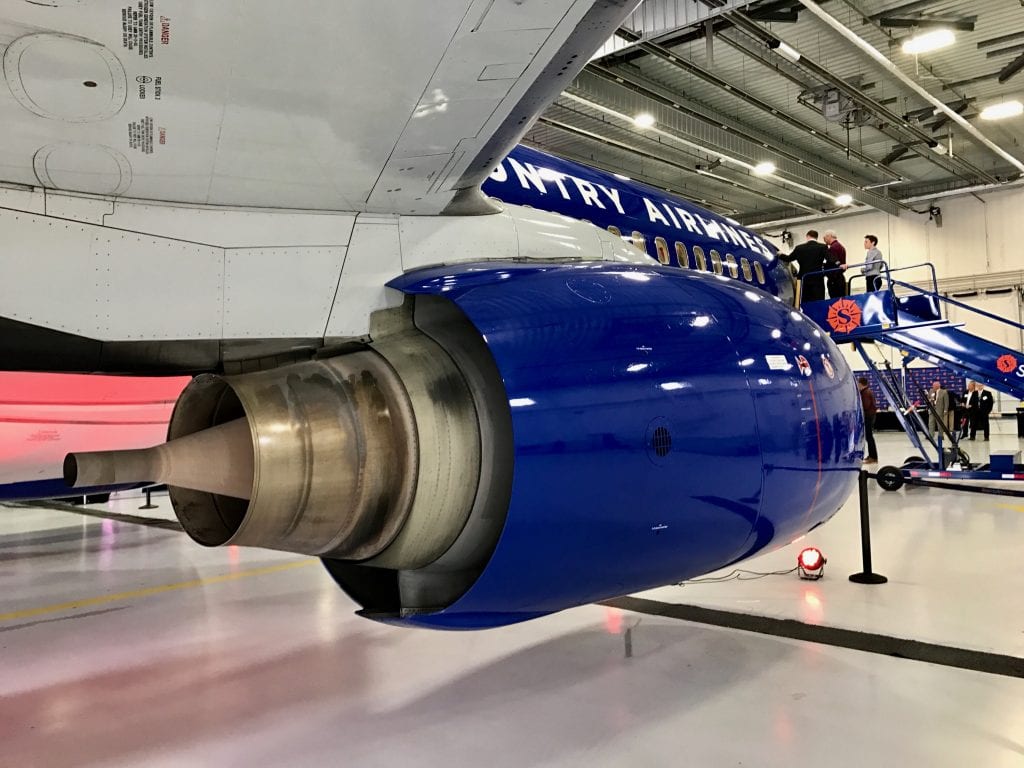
1006, 363
844, 316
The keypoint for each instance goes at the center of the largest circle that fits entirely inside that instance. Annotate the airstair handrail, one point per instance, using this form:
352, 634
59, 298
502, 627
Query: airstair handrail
928, 264
830, 270
863, 274
962, 305
885, 272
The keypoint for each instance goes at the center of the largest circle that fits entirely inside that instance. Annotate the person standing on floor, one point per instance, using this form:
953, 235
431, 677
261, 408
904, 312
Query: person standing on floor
971, 401
939, 399
872, 263
835, 261
985, 404
867, 402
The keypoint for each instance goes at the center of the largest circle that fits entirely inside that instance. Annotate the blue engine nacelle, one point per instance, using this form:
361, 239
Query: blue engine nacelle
638, 426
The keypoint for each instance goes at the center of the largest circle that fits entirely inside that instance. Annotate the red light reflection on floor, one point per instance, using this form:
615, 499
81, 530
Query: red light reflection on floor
812, 611
613, 620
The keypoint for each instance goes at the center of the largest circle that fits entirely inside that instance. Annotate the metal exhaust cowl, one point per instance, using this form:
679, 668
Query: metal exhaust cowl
372, 456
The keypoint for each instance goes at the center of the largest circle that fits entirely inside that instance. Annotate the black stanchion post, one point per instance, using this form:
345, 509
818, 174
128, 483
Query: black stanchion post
149, 504
867, 576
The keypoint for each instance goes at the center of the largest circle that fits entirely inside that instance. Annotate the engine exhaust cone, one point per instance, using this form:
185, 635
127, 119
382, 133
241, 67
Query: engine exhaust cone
215, 460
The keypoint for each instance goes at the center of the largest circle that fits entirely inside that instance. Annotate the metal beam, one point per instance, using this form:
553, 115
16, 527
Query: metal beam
905, 8
1000, 40
896, 154
890, 126
908, 22
789, 16
892, 41
883, 61
657, 19
610, 142
670, 58
832, 177
1004, 51
1011, 69
681, 137
943, 119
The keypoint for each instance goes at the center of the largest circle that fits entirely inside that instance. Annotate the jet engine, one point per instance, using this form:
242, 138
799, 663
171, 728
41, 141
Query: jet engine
520, 438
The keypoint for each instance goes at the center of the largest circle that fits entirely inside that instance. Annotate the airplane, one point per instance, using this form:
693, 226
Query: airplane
447, 367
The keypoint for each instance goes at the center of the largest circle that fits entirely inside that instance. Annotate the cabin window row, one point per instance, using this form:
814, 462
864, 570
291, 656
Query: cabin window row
710, 262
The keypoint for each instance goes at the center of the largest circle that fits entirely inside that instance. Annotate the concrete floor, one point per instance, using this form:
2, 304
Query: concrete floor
126, 645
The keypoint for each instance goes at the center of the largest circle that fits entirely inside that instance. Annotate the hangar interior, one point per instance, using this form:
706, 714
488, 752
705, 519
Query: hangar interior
123, 643
767, 112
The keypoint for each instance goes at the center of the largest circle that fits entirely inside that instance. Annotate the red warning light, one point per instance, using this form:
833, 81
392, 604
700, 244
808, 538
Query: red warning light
810, 563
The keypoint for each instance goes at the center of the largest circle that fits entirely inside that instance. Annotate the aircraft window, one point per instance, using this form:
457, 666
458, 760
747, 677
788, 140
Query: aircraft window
638, 240
716, 261
759, 272
682, 256
662, 248
615, 230
747, 274
698, 256
730, 262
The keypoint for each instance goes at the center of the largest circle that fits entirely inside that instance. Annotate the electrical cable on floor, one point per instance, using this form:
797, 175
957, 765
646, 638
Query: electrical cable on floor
738, 574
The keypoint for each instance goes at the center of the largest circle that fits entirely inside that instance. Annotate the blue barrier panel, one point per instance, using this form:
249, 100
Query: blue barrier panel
851, 316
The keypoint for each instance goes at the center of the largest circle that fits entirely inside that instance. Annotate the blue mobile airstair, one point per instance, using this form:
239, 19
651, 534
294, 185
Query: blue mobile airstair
914, 320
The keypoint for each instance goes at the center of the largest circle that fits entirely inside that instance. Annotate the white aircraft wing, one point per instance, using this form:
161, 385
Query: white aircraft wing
389, 106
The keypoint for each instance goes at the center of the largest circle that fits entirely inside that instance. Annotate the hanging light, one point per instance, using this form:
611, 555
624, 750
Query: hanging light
810, 563
643, 120
844, 199
929, 41
764, 168
1002, 110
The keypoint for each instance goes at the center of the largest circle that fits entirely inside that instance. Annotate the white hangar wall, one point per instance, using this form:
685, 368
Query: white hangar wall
978, 254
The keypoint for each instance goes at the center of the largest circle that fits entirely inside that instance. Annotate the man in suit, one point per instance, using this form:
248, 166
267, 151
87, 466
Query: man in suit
810, 258
835, 260
985, 404
939, 398
867, 403
971, 401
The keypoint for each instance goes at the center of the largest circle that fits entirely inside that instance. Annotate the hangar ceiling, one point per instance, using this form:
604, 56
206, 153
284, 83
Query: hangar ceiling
791, 82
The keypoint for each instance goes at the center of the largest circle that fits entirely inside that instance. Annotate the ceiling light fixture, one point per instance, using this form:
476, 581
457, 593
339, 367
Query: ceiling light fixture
929, 41
844, 199
644, 120
764, 168
1002, 110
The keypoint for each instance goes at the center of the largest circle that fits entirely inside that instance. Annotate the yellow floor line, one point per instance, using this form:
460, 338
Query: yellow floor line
148, 591
1014, 507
